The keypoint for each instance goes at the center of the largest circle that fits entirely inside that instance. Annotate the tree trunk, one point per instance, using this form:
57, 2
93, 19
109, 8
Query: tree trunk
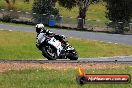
10, 4
81, 18
7, 1
26, 1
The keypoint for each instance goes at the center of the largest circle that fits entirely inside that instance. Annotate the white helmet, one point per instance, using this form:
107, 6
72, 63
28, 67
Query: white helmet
39, 27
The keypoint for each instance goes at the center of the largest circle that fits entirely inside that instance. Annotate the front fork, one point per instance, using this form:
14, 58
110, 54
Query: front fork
63, 54
67, 49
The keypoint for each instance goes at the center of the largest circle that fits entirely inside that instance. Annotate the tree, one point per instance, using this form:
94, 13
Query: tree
44, 7
119, 11
82, 5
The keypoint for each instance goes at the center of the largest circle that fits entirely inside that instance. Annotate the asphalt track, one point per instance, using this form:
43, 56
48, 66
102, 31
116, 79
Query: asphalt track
110, 38
116, 59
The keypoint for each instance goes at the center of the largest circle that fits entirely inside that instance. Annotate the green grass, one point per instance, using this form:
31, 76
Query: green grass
23, 6
21, 45
19, 5
44, 78
18, 45
89, 48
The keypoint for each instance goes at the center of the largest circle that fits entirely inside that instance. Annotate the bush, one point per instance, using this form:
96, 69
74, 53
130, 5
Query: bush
6, 17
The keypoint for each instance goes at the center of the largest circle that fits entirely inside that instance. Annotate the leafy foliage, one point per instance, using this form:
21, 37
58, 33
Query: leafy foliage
120, 13
119, 10
45, 6
68, 3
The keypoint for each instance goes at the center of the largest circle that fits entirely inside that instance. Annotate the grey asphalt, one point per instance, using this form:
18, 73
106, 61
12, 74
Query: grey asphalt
111, 59
119, 59
114, 38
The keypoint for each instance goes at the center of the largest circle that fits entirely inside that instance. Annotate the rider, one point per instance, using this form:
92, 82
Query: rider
40, 28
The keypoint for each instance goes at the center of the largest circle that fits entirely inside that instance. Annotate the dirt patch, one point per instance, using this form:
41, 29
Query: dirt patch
58, 66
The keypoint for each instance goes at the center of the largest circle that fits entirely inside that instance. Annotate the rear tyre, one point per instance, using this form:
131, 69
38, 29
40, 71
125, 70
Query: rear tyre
49, 52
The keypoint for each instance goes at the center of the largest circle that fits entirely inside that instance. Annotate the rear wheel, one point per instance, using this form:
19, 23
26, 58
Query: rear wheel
49, 52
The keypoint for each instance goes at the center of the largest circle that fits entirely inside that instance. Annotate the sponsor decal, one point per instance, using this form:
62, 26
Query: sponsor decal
84, 78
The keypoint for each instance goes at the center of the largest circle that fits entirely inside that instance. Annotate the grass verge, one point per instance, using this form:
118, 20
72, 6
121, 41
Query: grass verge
45, 78
21, 45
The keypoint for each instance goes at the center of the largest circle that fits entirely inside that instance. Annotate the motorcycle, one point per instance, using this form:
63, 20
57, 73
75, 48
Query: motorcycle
54, 49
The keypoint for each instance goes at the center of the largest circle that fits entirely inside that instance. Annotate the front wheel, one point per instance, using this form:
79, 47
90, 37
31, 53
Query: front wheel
49, 52
73, 55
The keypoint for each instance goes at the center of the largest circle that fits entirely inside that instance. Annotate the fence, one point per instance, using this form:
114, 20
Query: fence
69, 22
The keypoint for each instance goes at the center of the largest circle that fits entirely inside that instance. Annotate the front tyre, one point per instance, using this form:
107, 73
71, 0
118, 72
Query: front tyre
73, 55
49, 52
81, 80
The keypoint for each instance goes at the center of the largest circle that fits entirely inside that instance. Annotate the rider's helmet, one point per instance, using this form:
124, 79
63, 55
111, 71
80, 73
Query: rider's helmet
39, 27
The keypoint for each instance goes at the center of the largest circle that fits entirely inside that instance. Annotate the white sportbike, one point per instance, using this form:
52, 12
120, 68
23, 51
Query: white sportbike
54, 49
